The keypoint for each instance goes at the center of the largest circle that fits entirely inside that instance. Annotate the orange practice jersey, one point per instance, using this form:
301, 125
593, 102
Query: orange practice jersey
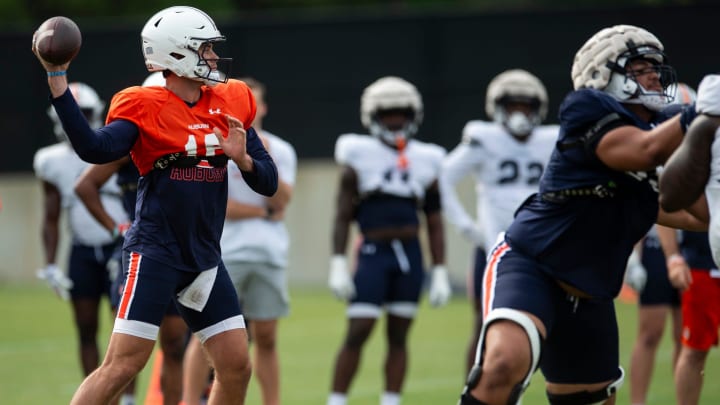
167, 124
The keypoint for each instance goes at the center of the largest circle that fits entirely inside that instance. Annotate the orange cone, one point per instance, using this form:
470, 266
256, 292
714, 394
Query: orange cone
154, 393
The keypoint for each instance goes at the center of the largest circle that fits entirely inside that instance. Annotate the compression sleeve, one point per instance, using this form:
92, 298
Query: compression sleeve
264, 178
103, 145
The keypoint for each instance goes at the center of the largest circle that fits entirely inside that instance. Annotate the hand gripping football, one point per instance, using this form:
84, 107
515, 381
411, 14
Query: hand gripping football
57, 40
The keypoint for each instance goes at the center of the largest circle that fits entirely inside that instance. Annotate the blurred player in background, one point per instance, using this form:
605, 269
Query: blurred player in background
385, 178
255, 245
173, 330
647, 274
550, 282
180, 137
58, 166
506, 158
693, 169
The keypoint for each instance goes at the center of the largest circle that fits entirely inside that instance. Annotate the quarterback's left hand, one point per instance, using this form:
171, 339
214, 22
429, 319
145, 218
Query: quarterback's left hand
440, 290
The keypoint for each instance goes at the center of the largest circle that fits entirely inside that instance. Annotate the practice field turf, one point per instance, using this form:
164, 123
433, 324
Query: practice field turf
39, 365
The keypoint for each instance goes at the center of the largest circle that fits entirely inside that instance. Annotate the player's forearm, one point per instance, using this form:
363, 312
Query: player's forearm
668, 240
263, 179
50, 237
340, 232
280, 200
436, 238
237, 211
105, 145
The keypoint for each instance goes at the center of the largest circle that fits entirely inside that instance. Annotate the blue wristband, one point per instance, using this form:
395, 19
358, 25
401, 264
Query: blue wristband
57, 73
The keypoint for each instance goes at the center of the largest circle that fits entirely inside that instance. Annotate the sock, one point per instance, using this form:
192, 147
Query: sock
390, 398
337, 398
127, 399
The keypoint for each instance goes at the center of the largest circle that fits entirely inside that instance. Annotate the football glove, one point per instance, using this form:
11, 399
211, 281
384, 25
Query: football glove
340, 281
635, 273
440, 290
57, 280
473, 233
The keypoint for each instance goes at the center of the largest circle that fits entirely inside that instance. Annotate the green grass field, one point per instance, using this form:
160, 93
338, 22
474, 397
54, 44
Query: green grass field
38, 361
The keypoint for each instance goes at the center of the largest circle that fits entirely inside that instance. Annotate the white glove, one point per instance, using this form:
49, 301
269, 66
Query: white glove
340, 281
57, 280
440, 290
635, 273
708, 95
473, 233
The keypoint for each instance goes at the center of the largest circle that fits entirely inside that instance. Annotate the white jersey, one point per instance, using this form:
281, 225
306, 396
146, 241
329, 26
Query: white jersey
506, 172
712, 193
376, 165
257, 239
60, 166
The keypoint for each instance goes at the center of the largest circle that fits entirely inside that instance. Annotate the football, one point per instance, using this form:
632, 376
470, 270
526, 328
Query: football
58, 40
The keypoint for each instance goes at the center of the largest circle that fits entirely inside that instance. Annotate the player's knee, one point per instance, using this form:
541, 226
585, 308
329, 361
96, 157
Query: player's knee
500, 366
234, 374
173, 351
597, 397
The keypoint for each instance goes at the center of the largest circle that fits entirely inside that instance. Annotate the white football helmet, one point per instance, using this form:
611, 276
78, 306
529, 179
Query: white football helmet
601, 64
391, 93
516, 86
154, 79
172, 38
90, 104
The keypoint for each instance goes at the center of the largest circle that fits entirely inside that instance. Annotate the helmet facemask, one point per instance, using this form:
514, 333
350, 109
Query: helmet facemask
625, 86
518, 114
214, 70
386, 126
391, 109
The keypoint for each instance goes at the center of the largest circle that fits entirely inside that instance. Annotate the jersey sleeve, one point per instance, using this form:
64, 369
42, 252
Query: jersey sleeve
455, 167
241, 98
587, 108
40, 165
344, 149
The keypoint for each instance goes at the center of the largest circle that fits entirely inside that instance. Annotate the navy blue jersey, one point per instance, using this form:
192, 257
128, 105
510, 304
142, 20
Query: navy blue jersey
582, 224
695, 248
127, 179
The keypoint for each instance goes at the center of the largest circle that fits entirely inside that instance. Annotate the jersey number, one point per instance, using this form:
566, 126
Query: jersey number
510, 172
211, 145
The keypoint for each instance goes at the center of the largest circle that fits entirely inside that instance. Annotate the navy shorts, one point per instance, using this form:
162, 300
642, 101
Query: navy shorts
151, 287
581, 346
658, 290
388, 272
118, 284
88, 271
